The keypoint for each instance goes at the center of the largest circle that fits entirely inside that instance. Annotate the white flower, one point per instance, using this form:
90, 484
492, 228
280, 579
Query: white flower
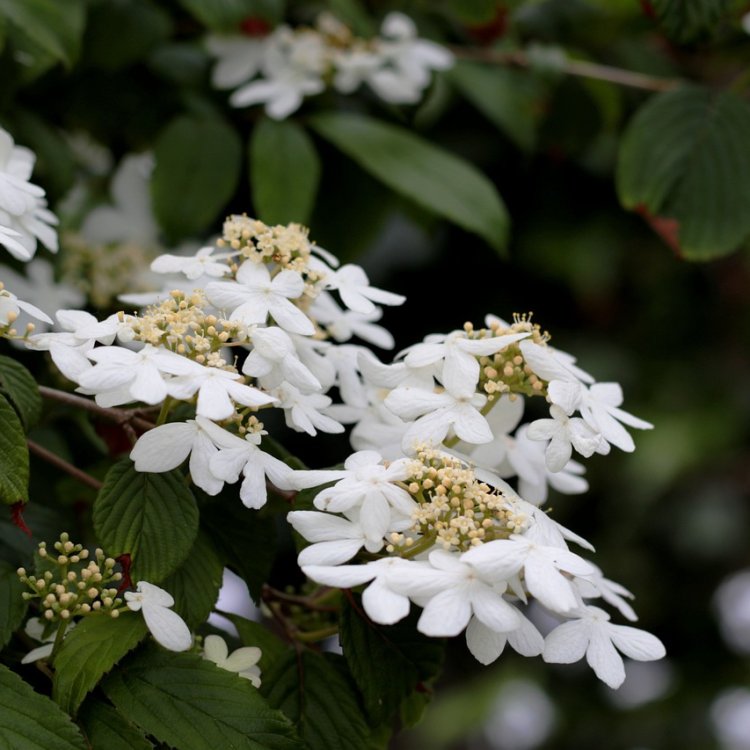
35, 629
565, 433
165, 447
167, 627
239, 59
203, 263
354, 66
343, 324
11, 306
255, 296
24, 217
216, 389
122, 375
543, 568
243, 661
595, 637
303, 411
487, 644
552, 364
275, 360
352, 284
293, 64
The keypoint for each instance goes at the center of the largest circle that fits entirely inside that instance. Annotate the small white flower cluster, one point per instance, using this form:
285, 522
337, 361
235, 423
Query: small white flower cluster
24, 216
449, 534
288, 64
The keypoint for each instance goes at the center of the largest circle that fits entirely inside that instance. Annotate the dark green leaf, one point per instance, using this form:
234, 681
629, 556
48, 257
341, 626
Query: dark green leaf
473, 12
195, 584
246, 539
509, 98
687, 20
121, 32
29, 721
14, 457
54, 26
18, 384
223, 15
254, 634
388, 663
191, 704
89, 651
284, 172
428, 175
312, 692
107, 729
153, 517
354, 15
12, 604
196, 173
686, 158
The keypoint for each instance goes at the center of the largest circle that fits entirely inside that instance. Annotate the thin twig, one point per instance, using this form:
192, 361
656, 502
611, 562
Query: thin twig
63, 465
579, 68
120, 416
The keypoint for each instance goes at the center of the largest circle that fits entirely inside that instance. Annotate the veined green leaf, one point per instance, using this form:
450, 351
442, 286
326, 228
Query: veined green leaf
30, 721
433, 178
89, 651
153, 517
19, 386
107, 729
12, 604
14, 457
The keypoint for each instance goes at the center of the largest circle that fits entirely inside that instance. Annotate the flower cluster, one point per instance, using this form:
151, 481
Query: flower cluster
426, 494
283, 67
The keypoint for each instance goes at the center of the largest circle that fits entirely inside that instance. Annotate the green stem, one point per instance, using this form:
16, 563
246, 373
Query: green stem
61, 628
316, 635
423, 544
164, 412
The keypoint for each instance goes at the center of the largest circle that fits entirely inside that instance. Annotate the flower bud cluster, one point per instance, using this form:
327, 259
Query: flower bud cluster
289, 64
70, 586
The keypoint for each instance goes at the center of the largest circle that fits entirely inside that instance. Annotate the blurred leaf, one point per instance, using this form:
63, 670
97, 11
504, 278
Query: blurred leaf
428, 175
311, 691
223, 15
121, 32
472, 12
12, 604
354, 15
687, 20
200, 707
254, 634
195, 584
14, 457
54, 26
246, 539
29, 721
509, 98
107, 729
153, 517
388, 663
89, 651
196, 173
18, 384
284, 172
684, 163
184, 63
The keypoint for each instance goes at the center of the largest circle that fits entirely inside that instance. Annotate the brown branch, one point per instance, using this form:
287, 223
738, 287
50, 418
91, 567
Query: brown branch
63, 465
113, 414
578, 68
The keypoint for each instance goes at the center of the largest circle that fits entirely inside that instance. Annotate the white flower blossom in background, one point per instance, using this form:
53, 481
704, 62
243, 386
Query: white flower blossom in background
282, 68
167, 627
34, 628
24, 216
243, 661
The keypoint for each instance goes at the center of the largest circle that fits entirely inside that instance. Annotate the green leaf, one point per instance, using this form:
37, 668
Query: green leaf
431, 177
18, 384
685, 157
89, 651
107, 729
29, 721
153, 517
14, 457
223, 15
390, 663
254, 634
473, 12
284, 172
195, 584
245, 537
196, 173
121, 32
687, 20
313, 693
54, 26
12, 604
354, 15
191, 704
510, 99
